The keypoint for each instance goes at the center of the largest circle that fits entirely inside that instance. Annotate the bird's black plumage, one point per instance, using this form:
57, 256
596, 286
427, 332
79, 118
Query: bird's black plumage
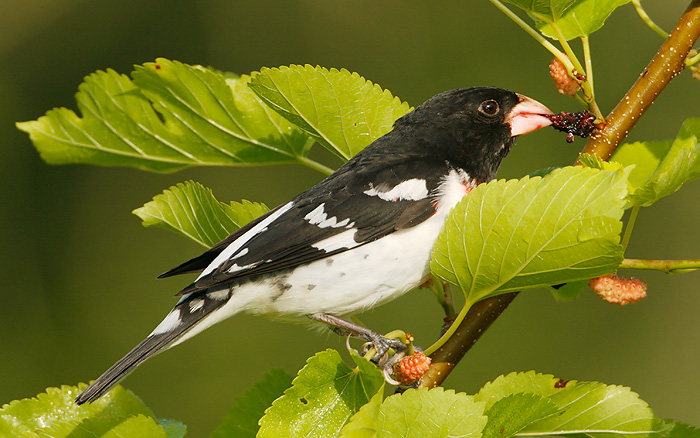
360, 237
445, 132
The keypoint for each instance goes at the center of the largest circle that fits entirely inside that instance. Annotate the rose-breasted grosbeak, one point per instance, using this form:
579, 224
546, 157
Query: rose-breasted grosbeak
359, 238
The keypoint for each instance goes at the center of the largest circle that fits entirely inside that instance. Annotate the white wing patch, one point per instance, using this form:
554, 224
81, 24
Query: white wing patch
169, 323
220, 294
410, 190
196, 304
346, 239
235, 268
319, 217
237, 244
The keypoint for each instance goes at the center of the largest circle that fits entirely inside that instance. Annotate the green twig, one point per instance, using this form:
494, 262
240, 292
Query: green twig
667, 266
479, 318
451, 331
588, 60
647, 19
586, 85
533, 33
693, 57
629, 227
589, 78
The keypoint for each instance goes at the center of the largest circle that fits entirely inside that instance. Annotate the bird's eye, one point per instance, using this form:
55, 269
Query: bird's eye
489, 107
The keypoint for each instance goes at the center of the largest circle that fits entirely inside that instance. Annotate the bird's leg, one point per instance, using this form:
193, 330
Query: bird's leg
344, 327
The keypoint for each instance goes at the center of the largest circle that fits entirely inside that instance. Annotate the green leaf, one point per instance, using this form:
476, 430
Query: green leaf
514, 383
550, 10
171, 115
514, 412
681, 430
241, 421
661, 168
599, 410
596, 162
569, 291
544, 172
324, 395
343, 111
589, 408
583, 18
54, 414
190, 209
533, 232
420, 413
364, 423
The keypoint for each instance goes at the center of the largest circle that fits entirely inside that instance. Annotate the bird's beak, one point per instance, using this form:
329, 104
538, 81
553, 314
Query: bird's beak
527, 116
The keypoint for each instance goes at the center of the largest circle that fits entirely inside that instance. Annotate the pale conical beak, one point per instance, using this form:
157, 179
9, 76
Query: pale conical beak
527, 116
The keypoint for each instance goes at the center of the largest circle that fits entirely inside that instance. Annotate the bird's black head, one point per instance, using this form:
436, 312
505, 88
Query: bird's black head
472, 128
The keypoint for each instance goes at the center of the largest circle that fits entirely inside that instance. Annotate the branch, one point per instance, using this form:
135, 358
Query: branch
667, 266
478, 319
668, 62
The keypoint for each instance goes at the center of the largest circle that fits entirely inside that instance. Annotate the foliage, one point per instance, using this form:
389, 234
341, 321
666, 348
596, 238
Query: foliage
553, 227
191, 210
662, 167
330, 399
529, 233
242, 419
341, 110
54, 414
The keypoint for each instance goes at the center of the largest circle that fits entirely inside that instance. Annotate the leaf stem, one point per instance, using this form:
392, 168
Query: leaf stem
647, 19
450, 331
629, 227
585, 431
667, 266
533, 33
308, 162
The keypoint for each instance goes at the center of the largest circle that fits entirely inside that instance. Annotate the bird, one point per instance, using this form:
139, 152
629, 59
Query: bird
360, 238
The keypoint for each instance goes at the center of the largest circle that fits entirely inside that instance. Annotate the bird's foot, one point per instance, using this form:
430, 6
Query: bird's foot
377, 347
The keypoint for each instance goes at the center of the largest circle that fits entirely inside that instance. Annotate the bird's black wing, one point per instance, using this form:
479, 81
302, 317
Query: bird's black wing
358, 204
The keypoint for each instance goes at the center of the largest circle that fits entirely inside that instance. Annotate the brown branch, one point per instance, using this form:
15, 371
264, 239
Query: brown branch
668, 62
478, 319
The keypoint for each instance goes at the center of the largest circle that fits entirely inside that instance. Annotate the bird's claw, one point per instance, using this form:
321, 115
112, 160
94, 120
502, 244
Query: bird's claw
381, 346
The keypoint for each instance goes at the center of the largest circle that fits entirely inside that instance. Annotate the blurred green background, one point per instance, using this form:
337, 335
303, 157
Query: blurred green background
78, 270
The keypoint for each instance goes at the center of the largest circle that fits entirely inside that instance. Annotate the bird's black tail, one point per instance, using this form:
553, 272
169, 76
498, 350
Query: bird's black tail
188, 313
147, 348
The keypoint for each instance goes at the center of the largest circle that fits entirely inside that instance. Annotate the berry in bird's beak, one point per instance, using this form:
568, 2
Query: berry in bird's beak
527, 116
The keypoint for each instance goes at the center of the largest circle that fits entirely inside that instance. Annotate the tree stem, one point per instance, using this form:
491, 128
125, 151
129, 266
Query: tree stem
668, 62
478, 319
